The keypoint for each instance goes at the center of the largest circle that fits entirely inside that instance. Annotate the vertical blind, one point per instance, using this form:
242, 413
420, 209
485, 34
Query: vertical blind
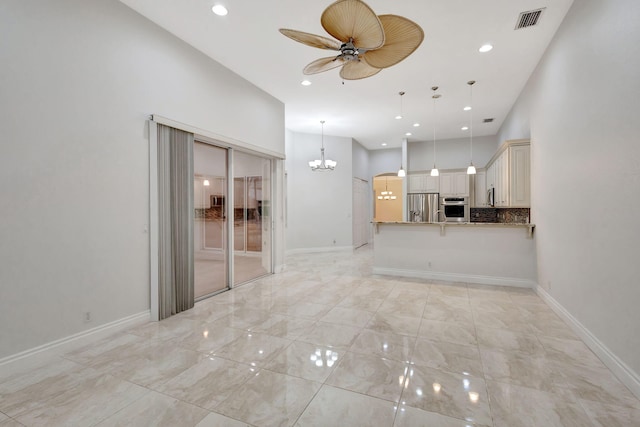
175, 237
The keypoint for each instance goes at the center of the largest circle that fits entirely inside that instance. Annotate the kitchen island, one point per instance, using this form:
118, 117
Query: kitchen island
484, 253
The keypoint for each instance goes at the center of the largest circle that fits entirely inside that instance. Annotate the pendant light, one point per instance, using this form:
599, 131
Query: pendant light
401, 171
434, 171
386, 194
322, 164
399, 116
471, 170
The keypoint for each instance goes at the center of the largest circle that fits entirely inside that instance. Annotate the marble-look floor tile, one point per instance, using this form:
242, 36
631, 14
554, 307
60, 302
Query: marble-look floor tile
404, 307
10, 422
413, 417
453, 395
453, 332
243, 318
253, 348
570, 351
516, 406
401, 293
604, 415
330, 335
347, 316
449, 289
106, 349
384, 344
368, 304
209, 382
87, 403
148, 363
302, 309
165, 329
394, 323
157, 410
505, 340
308, 361
283, 326
207, 337
511, 319
596, 384
371, 375
552, 327
533, 371
366, 292
218, 420
448, 357
336, 407
24, 392
269, 399
447, 313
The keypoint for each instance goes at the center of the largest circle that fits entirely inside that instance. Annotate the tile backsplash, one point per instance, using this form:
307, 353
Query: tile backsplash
501, 215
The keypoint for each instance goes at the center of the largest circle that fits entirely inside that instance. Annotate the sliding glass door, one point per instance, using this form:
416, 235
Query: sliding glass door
252, 219
210, 219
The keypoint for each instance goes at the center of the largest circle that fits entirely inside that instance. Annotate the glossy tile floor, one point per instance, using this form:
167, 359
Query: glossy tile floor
328, 344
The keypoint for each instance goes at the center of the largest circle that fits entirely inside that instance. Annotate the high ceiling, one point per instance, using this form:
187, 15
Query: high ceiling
247, 41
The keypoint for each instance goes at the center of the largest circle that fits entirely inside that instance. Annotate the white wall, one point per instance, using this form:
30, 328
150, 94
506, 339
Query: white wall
360, 160
581, 106
451, 153
79, 79
319, 203
385, 161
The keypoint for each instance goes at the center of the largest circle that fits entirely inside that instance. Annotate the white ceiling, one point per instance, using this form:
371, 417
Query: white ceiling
247, 41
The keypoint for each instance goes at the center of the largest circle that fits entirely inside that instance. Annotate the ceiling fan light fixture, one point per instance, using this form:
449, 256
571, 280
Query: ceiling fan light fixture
219, 10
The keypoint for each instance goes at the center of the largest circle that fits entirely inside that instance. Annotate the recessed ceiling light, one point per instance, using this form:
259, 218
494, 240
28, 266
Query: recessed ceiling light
415, 125
398, 117
408, 134
485, 48
384, 144
305, 83
467, 108
219, 10
465, 128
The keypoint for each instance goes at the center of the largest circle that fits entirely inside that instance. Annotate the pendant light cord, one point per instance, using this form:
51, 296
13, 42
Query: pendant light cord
471, 83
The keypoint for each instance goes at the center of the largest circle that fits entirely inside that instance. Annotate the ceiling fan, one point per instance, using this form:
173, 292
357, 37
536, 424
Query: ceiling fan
367, 43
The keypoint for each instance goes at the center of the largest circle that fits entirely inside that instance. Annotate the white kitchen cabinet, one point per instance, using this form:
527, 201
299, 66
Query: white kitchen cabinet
454, 184
423, 183
480, 190
519, 178
508, 173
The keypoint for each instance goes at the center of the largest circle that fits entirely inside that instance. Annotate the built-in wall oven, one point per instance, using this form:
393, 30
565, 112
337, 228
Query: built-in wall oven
454, 209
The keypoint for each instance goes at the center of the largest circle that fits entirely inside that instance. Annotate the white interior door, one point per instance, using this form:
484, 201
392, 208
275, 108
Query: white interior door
360, 212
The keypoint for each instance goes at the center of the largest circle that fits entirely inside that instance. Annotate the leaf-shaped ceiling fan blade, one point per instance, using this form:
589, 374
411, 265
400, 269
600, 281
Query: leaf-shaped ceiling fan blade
323, 64
355, 70
402, 38
353, 19
311, 39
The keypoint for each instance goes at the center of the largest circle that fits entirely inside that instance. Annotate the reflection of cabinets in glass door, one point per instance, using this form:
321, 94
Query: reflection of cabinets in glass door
423, 183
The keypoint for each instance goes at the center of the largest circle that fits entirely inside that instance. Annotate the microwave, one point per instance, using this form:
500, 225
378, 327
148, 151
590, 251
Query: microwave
454, 209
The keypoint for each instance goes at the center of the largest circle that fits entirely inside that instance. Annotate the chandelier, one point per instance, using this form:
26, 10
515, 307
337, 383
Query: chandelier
386, 194
322, 164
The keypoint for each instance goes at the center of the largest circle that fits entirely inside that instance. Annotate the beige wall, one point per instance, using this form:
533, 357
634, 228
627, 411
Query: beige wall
388, 210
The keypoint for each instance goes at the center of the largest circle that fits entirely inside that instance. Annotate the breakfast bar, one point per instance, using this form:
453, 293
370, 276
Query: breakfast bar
484, 253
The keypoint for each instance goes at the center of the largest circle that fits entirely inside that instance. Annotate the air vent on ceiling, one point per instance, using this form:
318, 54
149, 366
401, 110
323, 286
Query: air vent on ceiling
529, 18
488, 120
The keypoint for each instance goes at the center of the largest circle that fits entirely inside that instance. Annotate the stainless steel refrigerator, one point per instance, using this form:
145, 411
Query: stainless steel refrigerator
422, 207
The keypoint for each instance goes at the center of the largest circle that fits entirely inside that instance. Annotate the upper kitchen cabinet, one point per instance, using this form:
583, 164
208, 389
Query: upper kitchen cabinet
423, 183
455, 184
480, 190
508, 173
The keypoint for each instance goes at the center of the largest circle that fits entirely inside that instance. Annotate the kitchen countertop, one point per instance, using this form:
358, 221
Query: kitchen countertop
442, 225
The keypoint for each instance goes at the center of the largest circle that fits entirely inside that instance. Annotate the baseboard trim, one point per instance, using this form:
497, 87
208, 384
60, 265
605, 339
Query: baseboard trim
456, 277
71, 342
319, 250
620, 369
